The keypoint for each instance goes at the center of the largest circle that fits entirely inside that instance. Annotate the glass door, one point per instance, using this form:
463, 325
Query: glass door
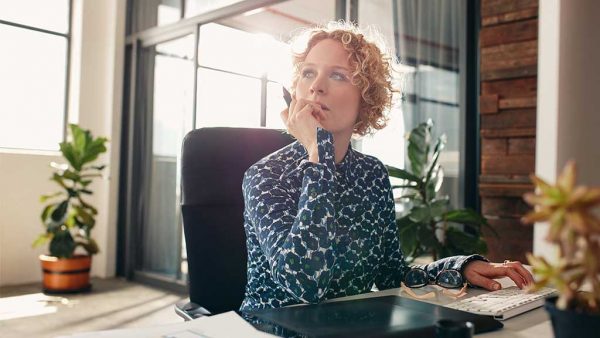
164, 100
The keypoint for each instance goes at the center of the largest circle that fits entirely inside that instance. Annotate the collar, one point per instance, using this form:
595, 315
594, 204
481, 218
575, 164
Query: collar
346, 165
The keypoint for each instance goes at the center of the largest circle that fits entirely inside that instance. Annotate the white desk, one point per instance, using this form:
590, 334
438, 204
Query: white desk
532, 324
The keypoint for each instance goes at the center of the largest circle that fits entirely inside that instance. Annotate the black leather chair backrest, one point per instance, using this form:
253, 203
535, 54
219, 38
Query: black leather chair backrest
212, 168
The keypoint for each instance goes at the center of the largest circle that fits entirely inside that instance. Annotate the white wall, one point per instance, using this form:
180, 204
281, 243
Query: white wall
23, 178
568, 116
95, 102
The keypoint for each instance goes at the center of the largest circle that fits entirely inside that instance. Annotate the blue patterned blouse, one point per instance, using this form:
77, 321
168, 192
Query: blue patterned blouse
321, 230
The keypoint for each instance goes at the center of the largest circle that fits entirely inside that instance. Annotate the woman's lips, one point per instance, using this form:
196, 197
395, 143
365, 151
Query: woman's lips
324, 107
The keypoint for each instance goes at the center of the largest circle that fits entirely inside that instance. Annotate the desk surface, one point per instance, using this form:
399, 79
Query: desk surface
535, 323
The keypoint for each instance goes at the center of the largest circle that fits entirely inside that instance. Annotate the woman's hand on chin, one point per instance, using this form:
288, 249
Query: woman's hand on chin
301, 120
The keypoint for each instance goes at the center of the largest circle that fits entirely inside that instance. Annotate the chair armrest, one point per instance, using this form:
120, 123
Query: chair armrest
190, 311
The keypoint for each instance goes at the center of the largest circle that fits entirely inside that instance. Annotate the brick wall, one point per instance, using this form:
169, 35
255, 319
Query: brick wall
508, 42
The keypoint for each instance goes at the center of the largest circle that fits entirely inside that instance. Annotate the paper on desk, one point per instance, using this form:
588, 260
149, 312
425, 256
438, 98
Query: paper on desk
228, 324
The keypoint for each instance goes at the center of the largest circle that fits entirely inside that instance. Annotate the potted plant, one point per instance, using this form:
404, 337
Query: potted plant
428, 224
575, 229
67, 218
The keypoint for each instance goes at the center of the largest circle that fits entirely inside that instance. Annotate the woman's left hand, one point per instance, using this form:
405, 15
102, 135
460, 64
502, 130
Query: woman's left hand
480, 273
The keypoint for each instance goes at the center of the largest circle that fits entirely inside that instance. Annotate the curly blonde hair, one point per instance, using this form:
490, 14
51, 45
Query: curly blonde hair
372, 69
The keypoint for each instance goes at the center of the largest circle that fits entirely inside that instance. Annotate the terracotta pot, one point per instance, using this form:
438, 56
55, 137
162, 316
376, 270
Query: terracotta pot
569, 323
66, 275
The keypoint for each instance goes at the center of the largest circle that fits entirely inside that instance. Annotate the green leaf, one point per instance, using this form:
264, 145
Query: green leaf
46, 212
70, 220
94, 149
87, 206
58, 179
403, 174
407, 233
83, 147
469, 218
58, 214
90, 246
420, 214
441, 142
464, 216
80, 140
72, 192
62, 244
44, 198
427, 236
68, 174
418, 147
439, 206
41, 240
430, 191
84, 217
68, 153
409, 242
466, 243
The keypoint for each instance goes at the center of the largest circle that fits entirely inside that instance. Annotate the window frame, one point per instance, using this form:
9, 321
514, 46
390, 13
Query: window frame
68, 37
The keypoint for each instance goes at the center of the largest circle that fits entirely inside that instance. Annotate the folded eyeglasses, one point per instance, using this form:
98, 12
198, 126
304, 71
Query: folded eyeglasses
447, 279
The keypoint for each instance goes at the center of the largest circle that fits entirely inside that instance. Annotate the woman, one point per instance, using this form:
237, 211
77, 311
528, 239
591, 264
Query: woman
319, 216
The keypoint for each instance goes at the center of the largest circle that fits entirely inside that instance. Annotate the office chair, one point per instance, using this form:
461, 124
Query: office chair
212, 168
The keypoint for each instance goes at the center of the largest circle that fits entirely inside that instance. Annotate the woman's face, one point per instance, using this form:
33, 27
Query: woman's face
325, 78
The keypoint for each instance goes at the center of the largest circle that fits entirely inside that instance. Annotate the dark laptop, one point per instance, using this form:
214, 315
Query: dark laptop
389, 316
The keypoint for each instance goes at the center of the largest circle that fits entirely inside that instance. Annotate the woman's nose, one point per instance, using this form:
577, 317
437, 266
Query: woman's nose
318, 86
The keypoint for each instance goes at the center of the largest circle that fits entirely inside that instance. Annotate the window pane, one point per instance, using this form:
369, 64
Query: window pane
234, 50
227, 100
389, 143
47, 14
171, 93
439, 84
425, 36
275, 104
32, 89
196, 7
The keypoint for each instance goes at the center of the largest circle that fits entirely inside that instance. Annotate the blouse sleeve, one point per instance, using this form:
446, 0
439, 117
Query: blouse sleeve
296, 236
393, 267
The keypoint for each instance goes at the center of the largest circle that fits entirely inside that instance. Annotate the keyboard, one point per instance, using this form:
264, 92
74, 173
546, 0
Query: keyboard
504, 303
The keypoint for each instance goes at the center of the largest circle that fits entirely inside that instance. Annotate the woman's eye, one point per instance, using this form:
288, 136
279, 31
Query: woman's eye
338, 76
307, 73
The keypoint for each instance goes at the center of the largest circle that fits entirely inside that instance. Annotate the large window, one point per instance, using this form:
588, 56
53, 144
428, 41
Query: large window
235, 69
429, 40
185, 72
34, 35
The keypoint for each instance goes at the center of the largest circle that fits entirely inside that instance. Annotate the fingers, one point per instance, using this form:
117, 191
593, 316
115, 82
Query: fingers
481, 274
284, 115
525, 274
484, 282
304, 109
301, 123
515, 276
